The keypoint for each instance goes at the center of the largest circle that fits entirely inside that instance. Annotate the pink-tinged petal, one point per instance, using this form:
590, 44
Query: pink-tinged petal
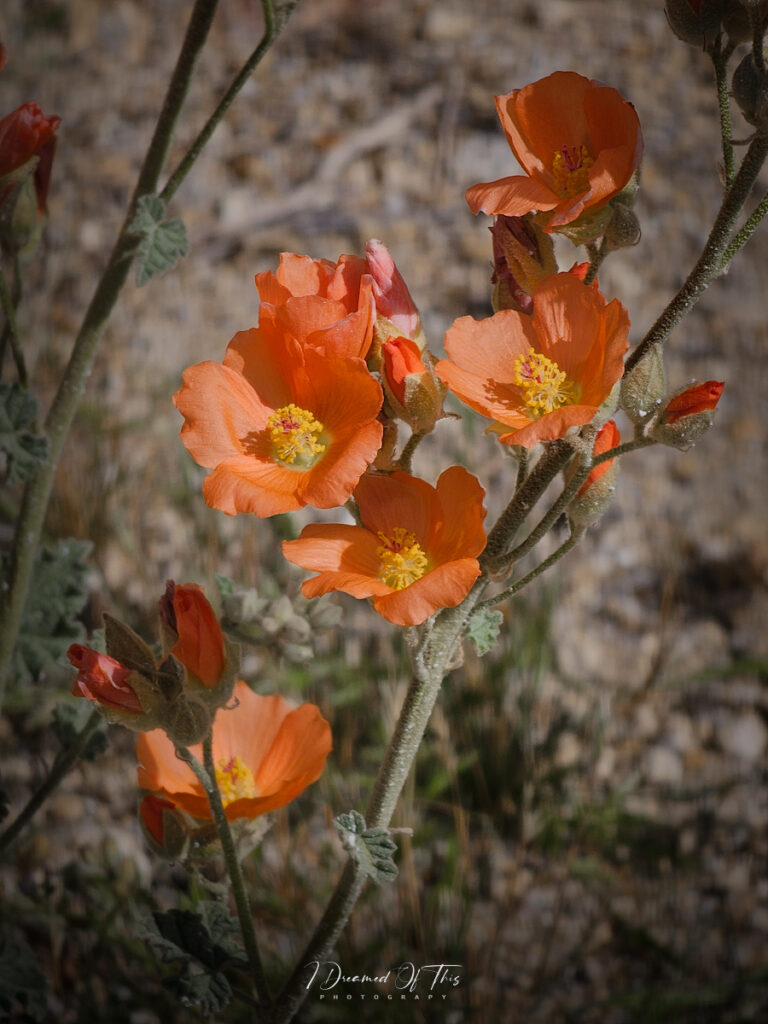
513, 196
393, 300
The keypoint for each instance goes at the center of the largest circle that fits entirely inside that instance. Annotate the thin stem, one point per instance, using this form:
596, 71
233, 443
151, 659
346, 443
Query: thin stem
62, 763
708, 266
206, 774
12, 328
525, 580
392, 775
596, 257
406, 456
720, 62
72, 386
525, 497
622, 449
273, 25
745, 232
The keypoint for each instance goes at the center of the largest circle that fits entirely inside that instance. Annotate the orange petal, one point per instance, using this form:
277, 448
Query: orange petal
220, 408
388, 501
513, 196
201, 642
444, 587
460, 532
489, 347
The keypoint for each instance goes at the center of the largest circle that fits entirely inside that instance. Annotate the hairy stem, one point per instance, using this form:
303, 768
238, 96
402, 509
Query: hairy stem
206, 774
709, 264
64, 760
11, 328
556, 555
720, 62
745, 232
413, 442
397, 764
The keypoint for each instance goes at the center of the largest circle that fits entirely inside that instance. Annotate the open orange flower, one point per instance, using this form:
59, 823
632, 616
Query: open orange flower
538, 375
578, 141
415, 552
266, 753
280, 424
327, 305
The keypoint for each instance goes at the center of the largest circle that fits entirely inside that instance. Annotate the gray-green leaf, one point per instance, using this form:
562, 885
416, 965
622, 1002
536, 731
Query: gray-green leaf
372, 848
163, 242
483, 628
24, 447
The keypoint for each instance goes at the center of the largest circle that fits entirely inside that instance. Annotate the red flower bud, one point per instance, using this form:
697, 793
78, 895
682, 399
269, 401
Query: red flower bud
401, 357
608, 437
694, 400
523, 255
24, 134
200, 644
102, 680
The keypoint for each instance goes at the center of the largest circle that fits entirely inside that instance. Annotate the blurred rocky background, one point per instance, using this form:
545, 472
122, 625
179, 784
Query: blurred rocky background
590, 810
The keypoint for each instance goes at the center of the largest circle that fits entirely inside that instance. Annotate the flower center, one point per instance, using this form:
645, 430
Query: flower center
544, 385
401, 557
570, 167
235, 780
294, 434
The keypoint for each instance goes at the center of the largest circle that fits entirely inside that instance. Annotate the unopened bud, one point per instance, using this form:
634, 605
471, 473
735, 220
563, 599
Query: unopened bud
624, 228
644, 386
687, 415
750, 90
596, 493
695, 21
523, 255
415, 394
163, 827
590, 226
187, 722
397, 314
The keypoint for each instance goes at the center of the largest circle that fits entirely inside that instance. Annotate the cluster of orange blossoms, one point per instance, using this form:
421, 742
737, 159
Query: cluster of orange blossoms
265, 752
304, 409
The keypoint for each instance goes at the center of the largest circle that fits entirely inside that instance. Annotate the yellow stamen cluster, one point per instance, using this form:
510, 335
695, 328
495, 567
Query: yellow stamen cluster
235, 780
570, 166
544, 385
402, 559
294, 434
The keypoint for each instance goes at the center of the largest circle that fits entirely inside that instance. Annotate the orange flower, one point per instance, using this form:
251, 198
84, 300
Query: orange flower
200, 646
416, 551
538, 375
281, 425
608, 437
265, 752
102, 680
692, 401
319, 303
578, 142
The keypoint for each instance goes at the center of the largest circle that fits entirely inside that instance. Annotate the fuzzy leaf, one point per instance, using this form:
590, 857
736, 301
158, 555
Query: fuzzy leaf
372, 848
57, 595
209, 993
69, 721
22, 981
24, 448
224, 931
483, 629
163, 242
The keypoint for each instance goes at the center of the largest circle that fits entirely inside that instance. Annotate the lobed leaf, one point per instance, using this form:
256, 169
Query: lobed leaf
163, 242
24, 447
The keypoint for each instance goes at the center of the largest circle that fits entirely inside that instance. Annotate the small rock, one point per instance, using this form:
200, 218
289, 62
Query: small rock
743, 736
663, 765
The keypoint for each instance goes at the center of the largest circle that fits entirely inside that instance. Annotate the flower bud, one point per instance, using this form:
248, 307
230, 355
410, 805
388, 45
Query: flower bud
623, 230
591, 225
695, 21
644, 386
596, 493
187, 722
750, 90
27, 147
103, 680
163, 826
688, 414
396, 311
523, 255
415, 394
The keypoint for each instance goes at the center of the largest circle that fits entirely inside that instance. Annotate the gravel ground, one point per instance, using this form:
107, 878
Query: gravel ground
370, 120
